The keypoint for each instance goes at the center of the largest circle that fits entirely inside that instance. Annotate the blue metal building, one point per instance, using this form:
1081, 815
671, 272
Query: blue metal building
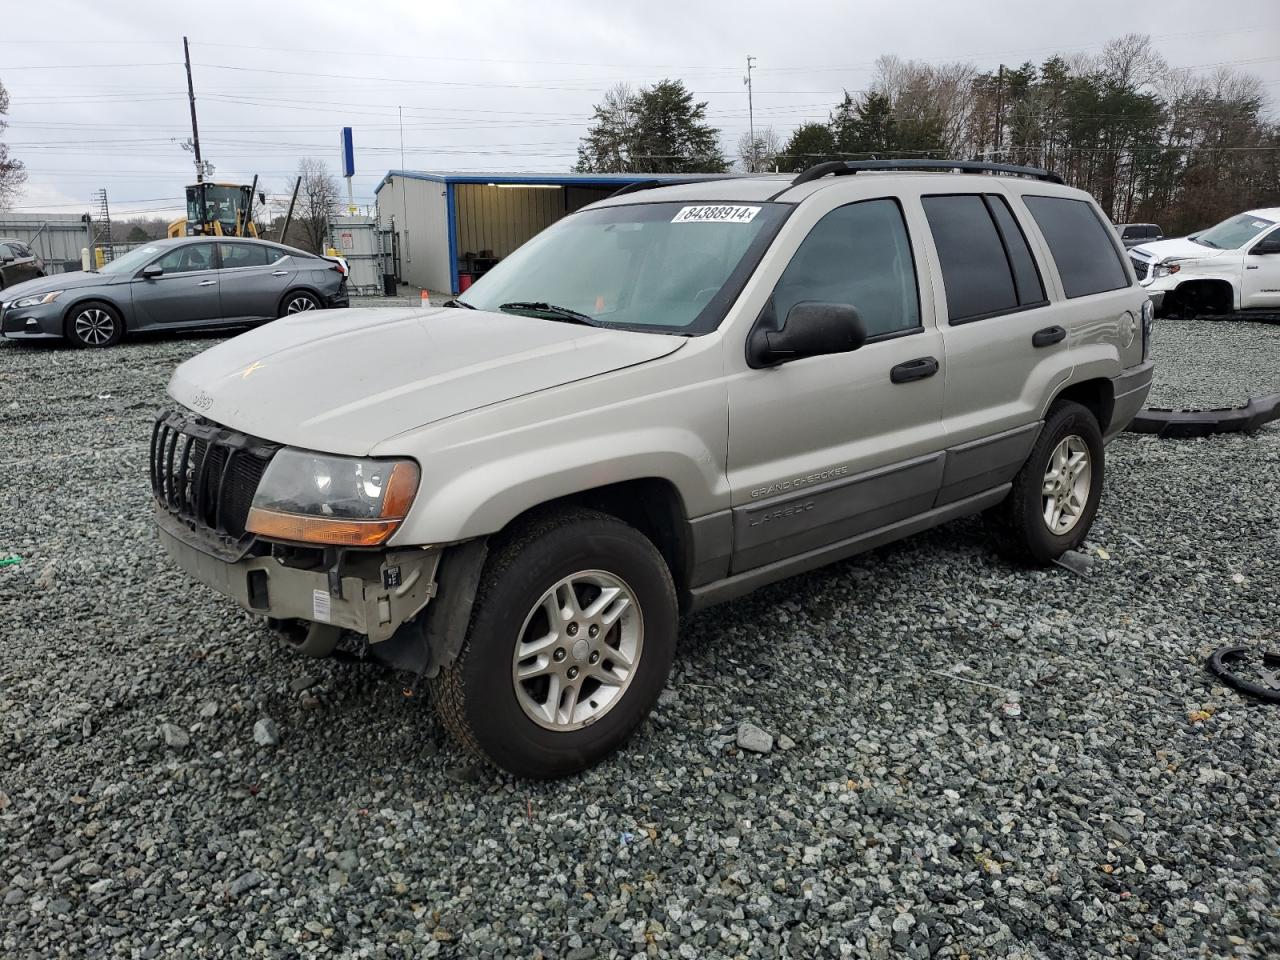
448, 228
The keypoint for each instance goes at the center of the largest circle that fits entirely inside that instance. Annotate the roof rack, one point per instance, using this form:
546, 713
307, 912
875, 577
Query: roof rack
842, 168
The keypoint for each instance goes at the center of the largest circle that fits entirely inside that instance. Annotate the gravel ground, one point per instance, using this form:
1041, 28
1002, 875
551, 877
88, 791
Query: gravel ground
1206, 363
968, 759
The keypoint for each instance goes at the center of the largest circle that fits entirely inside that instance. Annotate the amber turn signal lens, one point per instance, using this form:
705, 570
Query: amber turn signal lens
342, 533
402, 487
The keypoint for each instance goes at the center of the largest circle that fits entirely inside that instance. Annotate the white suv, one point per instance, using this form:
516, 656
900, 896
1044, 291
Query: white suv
1233, 266
663, 401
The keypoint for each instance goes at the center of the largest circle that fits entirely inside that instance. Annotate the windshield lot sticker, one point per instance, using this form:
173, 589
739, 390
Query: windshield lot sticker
717, 213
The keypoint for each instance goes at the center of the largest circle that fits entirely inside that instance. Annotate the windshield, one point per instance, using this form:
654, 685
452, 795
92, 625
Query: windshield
135, 259
1234, 233
668, 267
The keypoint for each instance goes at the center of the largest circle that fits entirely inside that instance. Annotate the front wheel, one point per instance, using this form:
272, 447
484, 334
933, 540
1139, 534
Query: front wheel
1056, 493
95, 325
570, 642
298, 302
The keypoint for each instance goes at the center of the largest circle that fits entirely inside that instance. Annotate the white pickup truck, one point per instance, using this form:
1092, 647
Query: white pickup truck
1233, 266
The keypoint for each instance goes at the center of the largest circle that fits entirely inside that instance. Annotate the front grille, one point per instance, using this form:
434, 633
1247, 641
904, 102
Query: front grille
1140, 267
205, 474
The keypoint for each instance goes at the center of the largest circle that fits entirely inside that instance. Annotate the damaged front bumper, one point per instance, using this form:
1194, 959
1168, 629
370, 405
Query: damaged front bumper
369, 592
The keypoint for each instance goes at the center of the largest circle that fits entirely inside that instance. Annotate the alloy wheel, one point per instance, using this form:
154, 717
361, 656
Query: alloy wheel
300, 304
94, 327
577, 651
1065, 490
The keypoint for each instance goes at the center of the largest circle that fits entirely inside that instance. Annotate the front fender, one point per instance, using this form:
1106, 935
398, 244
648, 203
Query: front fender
483, 499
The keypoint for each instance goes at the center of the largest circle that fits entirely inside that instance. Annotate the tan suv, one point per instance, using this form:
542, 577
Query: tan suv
661, 402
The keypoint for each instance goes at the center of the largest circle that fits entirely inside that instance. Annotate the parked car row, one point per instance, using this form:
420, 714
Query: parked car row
180, 283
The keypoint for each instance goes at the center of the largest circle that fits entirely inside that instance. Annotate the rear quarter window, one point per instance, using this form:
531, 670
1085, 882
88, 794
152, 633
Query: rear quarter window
1081, 245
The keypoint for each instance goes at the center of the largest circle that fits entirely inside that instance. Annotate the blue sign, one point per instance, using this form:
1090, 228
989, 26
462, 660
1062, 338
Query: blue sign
348, 154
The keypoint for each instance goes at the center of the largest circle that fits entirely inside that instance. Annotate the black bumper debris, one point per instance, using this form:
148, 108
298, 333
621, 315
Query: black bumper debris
1183, 424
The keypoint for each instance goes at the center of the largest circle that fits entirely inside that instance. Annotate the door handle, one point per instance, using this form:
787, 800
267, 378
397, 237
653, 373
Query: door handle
917, 369
279, 273
1048, 336
1251, 268
206, 283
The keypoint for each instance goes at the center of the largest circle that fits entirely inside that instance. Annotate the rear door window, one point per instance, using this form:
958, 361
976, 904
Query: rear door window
987, 267
1081, 244
245, 255
1026, 275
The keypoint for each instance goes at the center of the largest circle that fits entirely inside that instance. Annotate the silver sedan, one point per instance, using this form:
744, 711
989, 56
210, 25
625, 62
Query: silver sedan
181, 283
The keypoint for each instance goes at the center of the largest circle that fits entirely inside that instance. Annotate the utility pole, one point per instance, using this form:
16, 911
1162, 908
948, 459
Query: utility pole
999, 110
751, 118
191, 96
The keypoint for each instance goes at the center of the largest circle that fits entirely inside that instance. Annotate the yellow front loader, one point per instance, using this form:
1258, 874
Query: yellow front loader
218, 209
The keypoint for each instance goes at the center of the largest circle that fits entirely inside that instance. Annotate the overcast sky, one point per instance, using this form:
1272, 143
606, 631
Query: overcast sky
99, 93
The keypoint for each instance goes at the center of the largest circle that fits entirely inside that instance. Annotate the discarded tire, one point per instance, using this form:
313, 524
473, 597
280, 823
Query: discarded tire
1219, 664
1183, 424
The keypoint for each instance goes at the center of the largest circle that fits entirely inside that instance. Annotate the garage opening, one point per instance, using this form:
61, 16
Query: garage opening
445, 230
493, 219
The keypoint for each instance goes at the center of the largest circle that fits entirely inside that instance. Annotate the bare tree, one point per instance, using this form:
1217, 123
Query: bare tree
12, 172
318, 199
1132, 62
765, 155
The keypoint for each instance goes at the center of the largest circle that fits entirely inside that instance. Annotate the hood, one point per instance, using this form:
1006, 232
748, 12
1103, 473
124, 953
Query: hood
1179, 249
341, 381
59, 281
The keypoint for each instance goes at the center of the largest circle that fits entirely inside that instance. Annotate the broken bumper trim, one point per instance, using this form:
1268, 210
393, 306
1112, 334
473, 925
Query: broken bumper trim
379, 591
1184, 424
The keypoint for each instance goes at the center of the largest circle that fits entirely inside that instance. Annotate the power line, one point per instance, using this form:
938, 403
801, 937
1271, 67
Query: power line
91, 66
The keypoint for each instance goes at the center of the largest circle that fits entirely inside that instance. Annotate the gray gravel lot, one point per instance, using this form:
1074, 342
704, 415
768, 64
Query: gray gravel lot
968, 759
1206, 363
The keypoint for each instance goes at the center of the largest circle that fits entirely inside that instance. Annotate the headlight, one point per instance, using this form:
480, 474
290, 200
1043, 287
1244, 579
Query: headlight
37, 300
1164, 269
344, 501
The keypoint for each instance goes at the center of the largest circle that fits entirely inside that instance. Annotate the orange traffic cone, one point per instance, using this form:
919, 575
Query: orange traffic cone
426, 298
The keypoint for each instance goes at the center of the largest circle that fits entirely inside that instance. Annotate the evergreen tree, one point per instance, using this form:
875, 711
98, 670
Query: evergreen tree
810, 143
660, 129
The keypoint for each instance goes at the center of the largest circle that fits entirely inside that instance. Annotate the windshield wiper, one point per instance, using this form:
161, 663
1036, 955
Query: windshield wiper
552, 311
1205, 243
455, 302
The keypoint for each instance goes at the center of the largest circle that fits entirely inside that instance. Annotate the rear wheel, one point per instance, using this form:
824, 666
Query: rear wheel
1056, 493
94, 324
570, 643
299, 301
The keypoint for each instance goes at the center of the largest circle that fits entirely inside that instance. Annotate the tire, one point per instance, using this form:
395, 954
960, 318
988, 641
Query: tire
94, 325
1020, 523
298, 301
493, 714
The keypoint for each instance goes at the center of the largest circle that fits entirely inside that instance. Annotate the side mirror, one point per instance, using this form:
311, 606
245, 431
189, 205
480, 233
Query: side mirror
1263, 247
151, 271
7, 258
812, 329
